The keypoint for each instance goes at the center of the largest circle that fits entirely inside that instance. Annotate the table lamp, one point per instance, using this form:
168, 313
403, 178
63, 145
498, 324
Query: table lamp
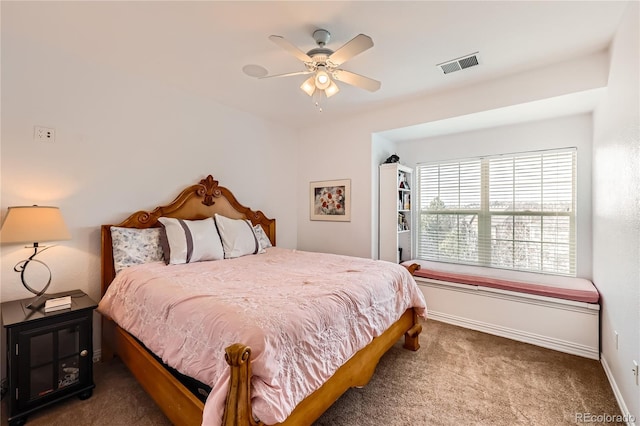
33, 224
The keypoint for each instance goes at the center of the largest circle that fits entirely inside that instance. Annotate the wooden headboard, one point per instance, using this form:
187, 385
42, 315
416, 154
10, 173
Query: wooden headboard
195, 202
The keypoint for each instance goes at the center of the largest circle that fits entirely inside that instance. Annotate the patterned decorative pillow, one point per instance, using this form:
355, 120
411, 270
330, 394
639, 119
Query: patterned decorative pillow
133, 246
263, 239
238, 237
186, 241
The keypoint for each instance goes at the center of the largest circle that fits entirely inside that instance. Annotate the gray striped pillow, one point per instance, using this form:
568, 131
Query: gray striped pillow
238, 237
186, 241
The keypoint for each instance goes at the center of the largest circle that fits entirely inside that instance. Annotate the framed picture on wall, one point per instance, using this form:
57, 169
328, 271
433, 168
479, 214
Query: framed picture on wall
330, 200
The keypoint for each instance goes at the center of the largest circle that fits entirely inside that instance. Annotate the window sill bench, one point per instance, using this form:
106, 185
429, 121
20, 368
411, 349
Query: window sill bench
560, 313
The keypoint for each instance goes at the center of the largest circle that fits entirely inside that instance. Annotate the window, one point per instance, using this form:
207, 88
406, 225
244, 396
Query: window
513, 211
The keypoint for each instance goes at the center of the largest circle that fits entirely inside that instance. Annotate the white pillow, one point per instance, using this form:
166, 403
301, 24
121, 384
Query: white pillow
132, 246
263, 239
238, 238
186, 241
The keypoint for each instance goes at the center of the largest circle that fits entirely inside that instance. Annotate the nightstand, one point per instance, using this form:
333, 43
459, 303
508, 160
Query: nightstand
49, 355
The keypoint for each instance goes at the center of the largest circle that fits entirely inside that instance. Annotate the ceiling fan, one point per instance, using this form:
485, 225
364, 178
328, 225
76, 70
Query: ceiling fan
324, 64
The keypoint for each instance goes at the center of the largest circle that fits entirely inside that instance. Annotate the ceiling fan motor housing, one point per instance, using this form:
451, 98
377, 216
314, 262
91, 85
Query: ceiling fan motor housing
320, 54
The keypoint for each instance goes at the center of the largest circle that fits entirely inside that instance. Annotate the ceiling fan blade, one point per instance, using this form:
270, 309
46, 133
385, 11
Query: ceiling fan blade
286, 74
357, 80
353, 47
282, 42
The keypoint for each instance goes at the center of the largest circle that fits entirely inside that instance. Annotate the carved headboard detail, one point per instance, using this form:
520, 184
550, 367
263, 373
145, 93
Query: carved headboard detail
198, 201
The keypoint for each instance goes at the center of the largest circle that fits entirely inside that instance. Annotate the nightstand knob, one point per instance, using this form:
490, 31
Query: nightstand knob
84, 353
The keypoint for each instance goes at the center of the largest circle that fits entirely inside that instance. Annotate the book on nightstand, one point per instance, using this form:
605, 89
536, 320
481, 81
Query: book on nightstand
57, 304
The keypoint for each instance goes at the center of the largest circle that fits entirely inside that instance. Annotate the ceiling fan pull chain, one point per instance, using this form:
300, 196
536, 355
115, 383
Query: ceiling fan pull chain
317, 98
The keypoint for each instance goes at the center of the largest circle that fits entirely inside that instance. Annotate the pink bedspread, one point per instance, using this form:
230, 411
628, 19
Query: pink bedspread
303, 315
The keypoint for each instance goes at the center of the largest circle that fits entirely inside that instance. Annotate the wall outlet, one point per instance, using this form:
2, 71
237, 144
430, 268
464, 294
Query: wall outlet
44, 134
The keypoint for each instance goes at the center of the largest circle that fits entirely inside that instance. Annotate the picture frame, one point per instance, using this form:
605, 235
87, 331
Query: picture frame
330, 200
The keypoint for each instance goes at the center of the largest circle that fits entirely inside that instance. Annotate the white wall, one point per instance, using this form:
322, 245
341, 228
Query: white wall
573, 131
122, 144
616, 212
343, 149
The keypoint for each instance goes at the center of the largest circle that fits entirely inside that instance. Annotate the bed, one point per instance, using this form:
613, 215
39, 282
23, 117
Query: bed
182, 407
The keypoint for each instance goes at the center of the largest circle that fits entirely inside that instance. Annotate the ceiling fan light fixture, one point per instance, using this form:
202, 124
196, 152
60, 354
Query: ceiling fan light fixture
321, 66
322, 79
308, 86
331, 90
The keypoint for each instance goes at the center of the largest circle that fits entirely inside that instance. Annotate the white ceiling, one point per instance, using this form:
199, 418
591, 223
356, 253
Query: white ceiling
201, 47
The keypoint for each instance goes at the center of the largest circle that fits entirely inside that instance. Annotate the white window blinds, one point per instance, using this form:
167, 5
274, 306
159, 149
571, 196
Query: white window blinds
513, 211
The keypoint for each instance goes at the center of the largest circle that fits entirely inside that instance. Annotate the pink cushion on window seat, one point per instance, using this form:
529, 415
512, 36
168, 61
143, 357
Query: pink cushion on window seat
561, 287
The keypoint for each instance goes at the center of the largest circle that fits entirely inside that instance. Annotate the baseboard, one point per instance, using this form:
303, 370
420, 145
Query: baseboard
616, 392
97, 355
519, 335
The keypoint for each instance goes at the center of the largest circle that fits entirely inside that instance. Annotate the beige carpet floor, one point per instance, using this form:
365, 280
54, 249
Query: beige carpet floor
458, 377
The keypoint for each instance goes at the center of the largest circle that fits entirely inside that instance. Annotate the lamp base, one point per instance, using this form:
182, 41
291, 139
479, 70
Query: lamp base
37, 302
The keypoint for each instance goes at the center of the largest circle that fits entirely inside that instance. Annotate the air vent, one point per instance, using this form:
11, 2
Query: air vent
461, 63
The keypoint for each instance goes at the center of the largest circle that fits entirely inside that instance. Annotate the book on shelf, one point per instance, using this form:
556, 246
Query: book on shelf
406, 201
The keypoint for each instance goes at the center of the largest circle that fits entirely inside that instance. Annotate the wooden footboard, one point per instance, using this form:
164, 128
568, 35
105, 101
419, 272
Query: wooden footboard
183, 408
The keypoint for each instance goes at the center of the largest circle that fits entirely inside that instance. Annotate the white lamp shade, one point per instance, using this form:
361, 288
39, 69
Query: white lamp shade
332, 89
33, 224
308, 86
